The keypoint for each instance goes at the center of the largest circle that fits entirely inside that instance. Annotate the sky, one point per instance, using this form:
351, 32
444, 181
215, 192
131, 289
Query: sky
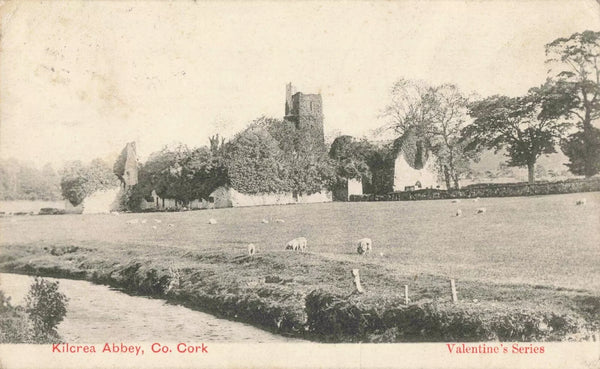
78, 80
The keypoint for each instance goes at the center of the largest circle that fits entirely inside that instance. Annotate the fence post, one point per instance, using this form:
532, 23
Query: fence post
405, 294
357, 281
453, 288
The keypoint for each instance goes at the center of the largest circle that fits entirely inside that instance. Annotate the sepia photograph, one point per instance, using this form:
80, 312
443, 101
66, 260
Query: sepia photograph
299, 184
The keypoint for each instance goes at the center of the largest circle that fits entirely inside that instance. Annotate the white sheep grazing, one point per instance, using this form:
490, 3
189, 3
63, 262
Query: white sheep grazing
133, 221
581, 202
364, 245
279, 221
456, 200
264, 221
292, 245
212, 221
481, 211
171, 225
251, 249
143, 221
476, 199
302, 244
458, 212
154, 227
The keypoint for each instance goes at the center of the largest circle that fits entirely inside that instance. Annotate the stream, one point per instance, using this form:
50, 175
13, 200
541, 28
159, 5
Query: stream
97, 313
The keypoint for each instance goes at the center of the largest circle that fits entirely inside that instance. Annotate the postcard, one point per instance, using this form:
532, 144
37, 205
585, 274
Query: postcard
299, 184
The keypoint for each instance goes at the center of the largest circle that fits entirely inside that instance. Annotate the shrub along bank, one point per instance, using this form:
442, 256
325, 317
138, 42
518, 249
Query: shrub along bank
311, 295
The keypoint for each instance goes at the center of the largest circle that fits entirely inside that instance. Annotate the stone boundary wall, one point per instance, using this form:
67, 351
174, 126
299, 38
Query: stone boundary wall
490, 190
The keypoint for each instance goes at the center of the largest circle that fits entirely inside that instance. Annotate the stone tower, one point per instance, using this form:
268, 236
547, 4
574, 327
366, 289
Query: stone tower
305, 111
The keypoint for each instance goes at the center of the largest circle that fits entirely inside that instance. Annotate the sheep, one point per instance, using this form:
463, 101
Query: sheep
251, 249
364, 245
133, 221
481, 211
301, 244
456, 200
143, 221
212, 221
476, 199
458, 212
171, 225
265, 221
292, 245
581, 202
279, 221
154, 227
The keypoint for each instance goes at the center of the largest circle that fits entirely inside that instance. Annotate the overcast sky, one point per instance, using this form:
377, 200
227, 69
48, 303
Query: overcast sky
80, 79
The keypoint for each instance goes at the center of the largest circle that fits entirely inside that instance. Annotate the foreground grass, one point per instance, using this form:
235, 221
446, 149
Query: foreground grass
526, 269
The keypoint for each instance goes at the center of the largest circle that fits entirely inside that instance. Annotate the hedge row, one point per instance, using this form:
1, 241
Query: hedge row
489, 190
337, 319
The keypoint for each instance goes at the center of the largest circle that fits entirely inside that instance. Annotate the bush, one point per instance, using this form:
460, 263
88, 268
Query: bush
46, 308
15, 327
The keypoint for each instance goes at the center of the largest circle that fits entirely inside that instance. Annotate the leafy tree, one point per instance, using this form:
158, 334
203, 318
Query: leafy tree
350, 157
575, 69
583, 151
255, 163
165, 172
78, 180
46, 307
206, 169
516, 124
23, 181
309, 172
74, 182
307, 167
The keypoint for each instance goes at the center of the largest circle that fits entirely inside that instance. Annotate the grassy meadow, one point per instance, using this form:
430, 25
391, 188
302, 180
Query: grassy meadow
523, 251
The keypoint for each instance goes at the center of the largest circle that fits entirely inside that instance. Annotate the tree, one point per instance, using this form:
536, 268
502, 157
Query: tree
46, 307
516, 124
308, 169
350, 160
583, 151
78, 180
255, 163
206, 169
437, 115
166, 174
74, 182
575, 69
381, 165
309, 172
449, 116
409, 108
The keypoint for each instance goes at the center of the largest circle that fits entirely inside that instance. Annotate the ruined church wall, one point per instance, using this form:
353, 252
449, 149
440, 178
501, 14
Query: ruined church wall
229, 197
406, 176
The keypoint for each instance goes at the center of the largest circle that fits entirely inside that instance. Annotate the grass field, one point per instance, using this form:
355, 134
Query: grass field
526, 250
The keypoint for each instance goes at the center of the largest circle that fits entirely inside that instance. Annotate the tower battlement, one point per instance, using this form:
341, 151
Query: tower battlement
305, 111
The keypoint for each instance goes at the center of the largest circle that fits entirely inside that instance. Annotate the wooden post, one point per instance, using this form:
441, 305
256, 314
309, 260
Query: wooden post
357, 281
453, 287
405, 294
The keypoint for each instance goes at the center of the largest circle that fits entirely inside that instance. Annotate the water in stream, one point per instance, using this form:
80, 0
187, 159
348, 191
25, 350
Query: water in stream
97, 314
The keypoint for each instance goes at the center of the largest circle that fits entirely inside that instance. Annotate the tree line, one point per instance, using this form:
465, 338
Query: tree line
272, 156
560, 112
